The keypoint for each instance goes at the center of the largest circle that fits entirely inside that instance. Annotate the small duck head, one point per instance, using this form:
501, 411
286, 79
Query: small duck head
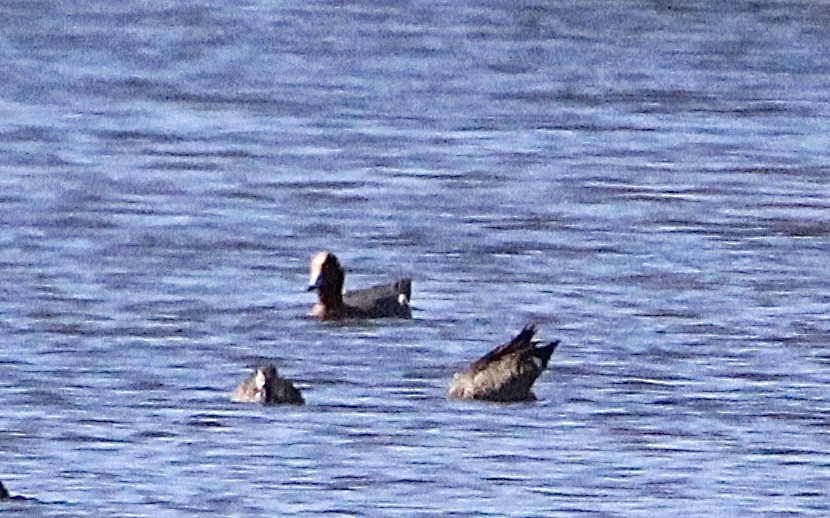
263, 378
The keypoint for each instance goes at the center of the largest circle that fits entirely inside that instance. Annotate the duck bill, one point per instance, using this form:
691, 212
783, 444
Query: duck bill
315, 282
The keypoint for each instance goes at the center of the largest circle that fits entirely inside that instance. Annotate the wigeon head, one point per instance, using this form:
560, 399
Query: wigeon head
326, 274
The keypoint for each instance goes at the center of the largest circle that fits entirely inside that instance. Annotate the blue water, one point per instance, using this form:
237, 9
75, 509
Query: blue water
648, 181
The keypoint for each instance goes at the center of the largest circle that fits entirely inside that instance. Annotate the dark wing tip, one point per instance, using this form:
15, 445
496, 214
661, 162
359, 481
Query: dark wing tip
521, 342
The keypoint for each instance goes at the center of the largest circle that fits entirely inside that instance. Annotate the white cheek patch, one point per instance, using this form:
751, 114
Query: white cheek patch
402, 300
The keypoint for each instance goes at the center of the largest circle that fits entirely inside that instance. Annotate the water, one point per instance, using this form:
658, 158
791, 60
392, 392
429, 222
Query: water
645, 180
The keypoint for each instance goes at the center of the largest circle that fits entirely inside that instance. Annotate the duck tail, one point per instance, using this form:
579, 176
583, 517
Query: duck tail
526, 335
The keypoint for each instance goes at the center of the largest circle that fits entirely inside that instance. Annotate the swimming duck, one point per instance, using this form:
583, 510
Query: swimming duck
4, 495
327, 276
267, 387
505, 374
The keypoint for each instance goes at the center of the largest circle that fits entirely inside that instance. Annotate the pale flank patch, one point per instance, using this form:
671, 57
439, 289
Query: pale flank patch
402, 300
317, 310
537, 362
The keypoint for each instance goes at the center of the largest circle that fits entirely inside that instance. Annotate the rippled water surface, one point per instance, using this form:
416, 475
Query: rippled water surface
648, 181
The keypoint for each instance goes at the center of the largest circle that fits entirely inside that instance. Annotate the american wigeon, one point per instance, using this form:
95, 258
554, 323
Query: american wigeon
327, 276
267, 387
505, 374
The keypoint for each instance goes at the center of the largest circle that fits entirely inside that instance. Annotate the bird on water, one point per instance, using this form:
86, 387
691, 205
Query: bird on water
507, 373
327, 278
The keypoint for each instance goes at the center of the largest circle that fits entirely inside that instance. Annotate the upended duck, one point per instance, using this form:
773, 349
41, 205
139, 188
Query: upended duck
327, 277
505, 374
267, 387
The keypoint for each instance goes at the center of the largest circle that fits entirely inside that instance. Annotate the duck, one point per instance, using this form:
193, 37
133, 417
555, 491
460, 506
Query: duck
267, 387
507, 373
5, 496
327, 276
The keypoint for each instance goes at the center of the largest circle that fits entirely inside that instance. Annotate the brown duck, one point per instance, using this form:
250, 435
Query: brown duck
267, 387
327, 276
505, 374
